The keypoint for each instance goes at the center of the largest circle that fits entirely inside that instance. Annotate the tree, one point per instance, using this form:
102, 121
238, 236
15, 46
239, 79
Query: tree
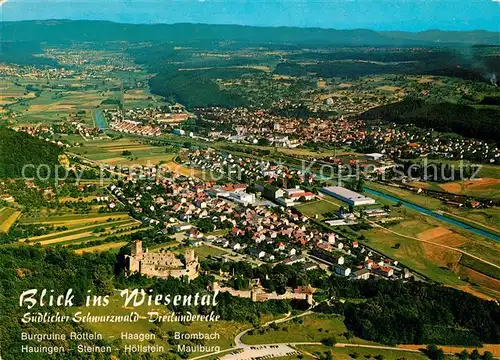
264, 142
474, 355
360, 184
329, 341
348, 335
487, 356
434, 353
328, 355
463, 355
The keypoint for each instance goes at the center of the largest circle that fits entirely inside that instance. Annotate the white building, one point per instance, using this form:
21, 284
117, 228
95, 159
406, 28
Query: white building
351, 197
243, 198
374, 156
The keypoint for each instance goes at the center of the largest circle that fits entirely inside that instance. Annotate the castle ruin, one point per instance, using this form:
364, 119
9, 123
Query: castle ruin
162, 264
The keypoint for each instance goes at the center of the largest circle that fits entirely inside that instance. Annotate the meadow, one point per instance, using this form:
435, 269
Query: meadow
486, 218
11, 93
309, 328
350, 353
415, 242
204, 251
112, 152
320, 208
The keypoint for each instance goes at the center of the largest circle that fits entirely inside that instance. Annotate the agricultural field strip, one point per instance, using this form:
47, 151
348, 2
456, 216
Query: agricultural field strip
109, 231
7, 218
99, 236
65, 233
83, 237
73, 218
58, 240
5, 213
5, 226
103, 247
480, 267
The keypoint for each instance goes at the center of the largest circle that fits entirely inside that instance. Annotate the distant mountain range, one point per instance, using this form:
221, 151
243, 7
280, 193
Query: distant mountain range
60, 31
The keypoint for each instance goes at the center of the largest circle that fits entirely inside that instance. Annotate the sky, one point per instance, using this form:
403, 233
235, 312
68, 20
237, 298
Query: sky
407, 15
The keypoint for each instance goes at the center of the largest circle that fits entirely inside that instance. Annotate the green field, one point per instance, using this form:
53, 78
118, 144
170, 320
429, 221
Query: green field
320, 207
45, 100
113, 247
408, 246
413, 197
488, 219
350, 353
480, 267
135, 98
110, 152
205, 251
410, 253
72, 220
310, 328
463, 239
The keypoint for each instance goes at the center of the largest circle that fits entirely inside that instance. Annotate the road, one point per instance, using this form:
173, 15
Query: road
242, 351
287, 317
253, 351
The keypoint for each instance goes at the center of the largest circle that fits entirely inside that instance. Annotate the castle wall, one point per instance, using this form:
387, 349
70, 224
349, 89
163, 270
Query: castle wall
259, 294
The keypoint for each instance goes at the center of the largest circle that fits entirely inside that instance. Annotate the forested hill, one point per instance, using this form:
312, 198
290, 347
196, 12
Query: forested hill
18, 149
461, 119
57, 31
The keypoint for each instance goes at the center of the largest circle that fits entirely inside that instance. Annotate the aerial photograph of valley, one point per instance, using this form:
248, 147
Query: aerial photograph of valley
250, 180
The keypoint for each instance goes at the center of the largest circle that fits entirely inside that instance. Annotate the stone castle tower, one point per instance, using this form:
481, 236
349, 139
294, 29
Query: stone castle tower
136, 249
189, 256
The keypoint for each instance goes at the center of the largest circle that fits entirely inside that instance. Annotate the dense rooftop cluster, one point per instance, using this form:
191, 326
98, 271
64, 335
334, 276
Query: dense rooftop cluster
407, 141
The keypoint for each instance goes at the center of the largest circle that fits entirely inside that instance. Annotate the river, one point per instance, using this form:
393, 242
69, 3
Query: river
99, 119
